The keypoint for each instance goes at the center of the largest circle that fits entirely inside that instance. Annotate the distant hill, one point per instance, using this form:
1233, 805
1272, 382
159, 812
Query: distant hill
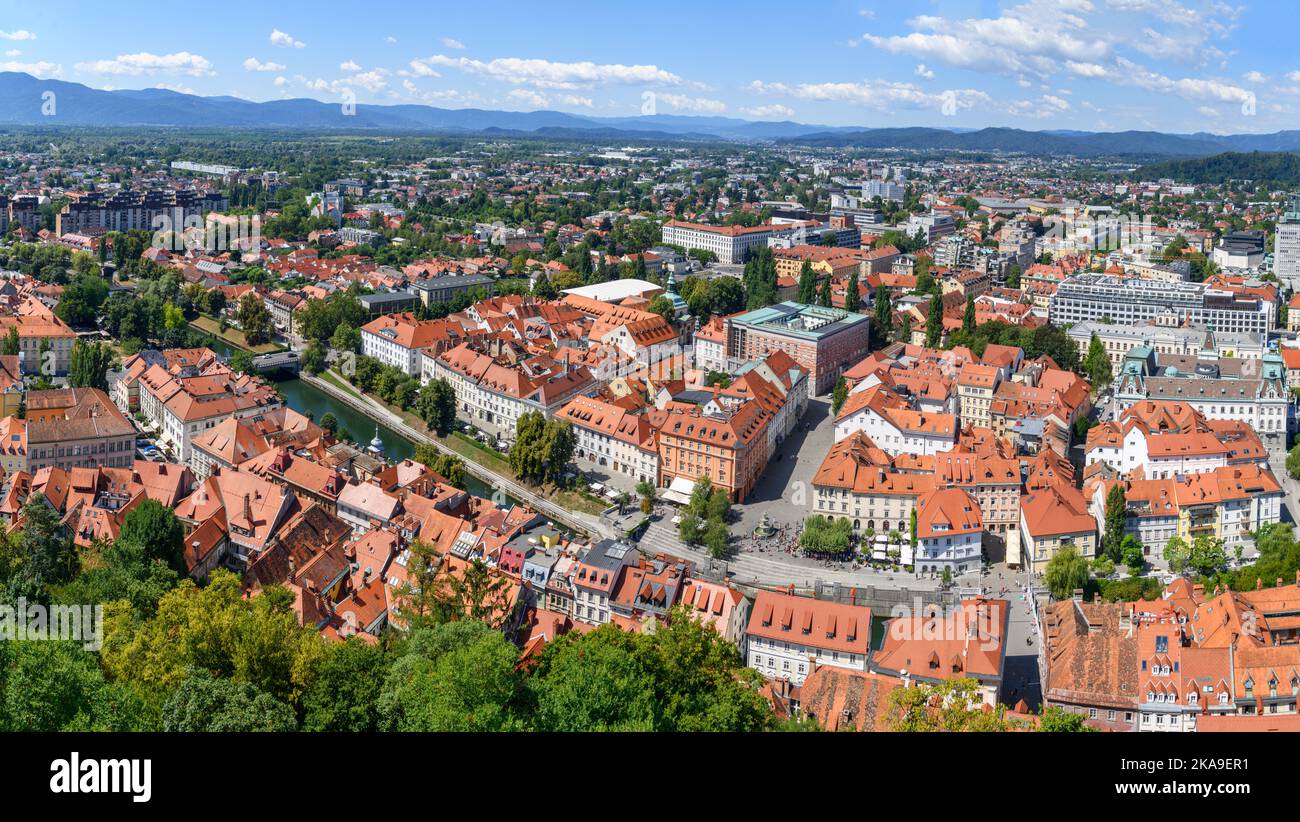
1274, 168
1082, 144
79, 105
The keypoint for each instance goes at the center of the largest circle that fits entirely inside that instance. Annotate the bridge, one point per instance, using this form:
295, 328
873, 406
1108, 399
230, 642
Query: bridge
279, 361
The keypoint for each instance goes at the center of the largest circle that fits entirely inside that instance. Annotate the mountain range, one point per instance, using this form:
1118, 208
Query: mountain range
21, 101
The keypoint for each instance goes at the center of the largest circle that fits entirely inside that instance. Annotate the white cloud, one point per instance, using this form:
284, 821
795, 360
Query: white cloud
281, 81
553, 75
697, 105
1208, 112
529, 97
20, 34
1027, 39
1255, 77
39, 69
1040, 38
768, 112
452, 43
923, 72
877, 94
419, 68
371, 81
349, 65
279, 38
390, 39
181, 62
14, 53
253, 64
575, 100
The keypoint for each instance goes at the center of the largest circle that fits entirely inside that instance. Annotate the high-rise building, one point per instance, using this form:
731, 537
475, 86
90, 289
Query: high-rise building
1286, 246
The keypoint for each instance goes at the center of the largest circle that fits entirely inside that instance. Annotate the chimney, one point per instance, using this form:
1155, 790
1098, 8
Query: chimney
293, 569
248, 510
1078, 595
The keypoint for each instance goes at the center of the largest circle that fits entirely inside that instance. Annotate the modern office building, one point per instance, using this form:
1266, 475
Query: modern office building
1128, 300
1240, 249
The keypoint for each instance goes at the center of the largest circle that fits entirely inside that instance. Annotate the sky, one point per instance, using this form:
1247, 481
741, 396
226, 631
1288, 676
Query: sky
1093, 65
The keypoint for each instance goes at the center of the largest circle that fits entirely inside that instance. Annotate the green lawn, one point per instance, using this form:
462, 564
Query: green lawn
233, 336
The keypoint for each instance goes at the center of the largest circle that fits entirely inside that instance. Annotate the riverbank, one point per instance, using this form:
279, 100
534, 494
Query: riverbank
473, 460
232, 337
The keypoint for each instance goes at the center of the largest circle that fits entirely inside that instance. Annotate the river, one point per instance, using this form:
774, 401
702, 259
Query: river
305, 398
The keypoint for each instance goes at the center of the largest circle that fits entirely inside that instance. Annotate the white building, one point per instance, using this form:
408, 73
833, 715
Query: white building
949, 532
789, 635
895, 428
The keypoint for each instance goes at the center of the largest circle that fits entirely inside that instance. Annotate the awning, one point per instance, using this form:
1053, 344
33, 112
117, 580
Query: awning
679, 490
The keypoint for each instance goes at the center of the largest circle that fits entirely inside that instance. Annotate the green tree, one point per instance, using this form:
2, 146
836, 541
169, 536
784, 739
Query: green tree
934, 323
1116, 521
717, 539
951, 705
646, 490
884, 313
596, 683
88, 365
1207, 555
345, 338
852, 292
1177, 553
58, 686
1097, 363
160, 535
204, 703
824, 295
1130, 550
344, 695
313, 359
968, 319
45, 555
662, 306
254, 319
807, 283
329, 422
688, 530
838, 395
1066, 571
459, 677
437, 406
1057, 720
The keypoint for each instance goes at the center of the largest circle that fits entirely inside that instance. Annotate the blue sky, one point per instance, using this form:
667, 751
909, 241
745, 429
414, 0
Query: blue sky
1170, 65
